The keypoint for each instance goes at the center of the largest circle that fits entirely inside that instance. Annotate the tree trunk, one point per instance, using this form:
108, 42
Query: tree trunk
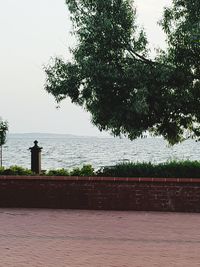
1, 156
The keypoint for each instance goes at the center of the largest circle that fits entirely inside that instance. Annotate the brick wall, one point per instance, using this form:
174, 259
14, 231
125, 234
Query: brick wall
149, 194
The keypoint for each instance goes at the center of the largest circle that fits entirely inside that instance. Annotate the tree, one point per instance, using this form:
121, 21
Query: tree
112, 76
3, 130
181, 23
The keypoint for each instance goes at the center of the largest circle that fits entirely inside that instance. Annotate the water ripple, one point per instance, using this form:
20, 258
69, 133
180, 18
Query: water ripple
72, 152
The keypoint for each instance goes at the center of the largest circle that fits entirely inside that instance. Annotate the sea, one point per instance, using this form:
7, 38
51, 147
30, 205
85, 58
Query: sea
69, 151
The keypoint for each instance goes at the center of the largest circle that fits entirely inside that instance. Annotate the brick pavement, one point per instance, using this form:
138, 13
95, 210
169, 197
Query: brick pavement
75, 238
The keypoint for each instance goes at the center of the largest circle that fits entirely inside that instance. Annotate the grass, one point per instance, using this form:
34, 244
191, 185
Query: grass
173, 169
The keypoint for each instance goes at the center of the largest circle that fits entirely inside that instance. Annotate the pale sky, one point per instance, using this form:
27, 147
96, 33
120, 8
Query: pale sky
31, 33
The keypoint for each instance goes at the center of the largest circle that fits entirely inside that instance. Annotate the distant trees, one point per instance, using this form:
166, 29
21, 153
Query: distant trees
113, 77
3, 131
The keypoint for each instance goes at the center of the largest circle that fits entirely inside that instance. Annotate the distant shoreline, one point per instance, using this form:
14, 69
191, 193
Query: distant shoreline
57, 135
51, 135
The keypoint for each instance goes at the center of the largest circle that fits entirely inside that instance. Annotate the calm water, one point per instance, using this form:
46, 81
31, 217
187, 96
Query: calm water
69, 152
49, 238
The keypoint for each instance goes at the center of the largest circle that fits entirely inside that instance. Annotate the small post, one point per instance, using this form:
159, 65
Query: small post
36, 158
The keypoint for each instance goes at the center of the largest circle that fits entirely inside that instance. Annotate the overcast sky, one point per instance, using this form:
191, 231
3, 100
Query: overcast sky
31, 33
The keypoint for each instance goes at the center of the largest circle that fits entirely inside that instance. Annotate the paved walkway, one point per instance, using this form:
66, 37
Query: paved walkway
52, 238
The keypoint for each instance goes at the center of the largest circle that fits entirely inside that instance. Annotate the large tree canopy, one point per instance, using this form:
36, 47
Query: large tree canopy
112, 76
181, 24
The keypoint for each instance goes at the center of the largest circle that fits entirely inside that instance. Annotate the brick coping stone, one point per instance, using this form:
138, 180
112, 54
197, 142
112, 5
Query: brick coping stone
100, 179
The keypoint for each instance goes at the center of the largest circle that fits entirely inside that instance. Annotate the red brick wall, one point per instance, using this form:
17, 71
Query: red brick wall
101, 193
